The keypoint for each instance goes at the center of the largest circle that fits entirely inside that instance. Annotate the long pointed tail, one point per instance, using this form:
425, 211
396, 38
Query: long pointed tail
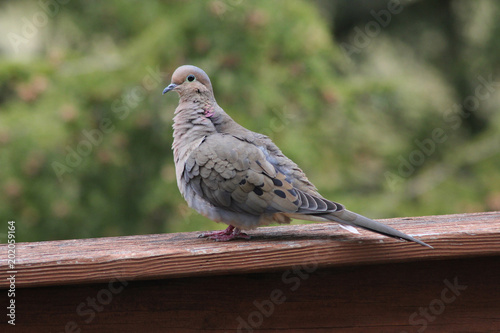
350, 218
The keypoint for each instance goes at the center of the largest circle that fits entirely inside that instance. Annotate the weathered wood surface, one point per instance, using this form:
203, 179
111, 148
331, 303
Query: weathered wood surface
404, 297
278, 248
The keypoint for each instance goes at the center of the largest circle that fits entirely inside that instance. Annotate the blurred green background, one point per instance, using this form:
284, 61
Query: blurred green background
390, 109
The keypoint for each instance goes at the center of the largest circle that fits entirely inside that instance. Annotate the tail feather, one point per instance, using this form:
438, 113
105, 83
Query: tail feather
350, 218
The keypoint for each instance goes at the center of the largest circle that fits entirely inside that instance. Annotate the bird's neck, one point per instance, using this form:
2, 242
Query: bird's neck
196, 119
192, 121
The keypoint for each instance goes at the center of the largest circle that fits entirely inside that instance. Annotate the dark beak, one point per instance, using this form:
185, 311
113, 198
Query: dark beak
171, 86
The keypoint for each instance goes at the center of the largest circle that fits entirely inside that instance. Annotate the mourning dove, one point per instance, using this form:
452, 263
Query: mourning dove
241, 178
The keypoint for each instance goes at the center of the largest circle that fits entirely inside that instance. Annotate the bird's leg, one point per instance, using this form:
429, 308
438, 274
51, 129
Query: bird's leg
225, 235
228, 231
234, 234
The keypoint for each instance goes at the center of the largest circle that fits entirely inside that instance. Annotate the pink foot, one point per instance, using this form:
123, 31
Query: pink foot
226, 235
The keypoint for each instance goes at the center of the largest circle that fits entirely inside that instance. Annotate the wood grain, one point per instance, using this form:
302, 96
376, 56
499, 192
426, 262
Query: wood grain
355, 299
161, 256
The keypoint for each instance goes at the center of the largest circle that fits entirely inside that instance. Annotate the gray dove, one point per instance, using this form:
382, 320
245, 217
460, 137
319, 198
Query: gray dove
241, 178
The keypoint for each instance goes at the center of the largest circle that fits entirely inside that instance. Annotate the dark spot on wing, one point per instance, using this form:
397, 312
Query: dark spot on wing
280, 193
258, 191
277, 182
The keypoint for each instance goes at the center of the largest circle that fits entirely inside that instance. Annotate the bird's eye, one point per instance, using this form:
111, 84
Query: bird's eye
190, 78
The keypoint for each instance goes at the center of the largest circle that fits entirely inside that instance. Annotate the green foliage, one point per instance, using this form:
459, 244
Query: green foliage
85, 134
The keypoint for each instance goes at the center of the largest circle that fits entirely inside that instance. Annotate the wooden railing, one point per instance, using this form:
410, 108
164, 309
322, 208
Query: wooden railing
303, 277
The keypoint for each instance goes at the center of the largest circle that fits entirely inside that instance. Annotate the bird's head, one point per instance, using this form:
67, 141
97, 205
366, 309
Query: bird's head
189, 81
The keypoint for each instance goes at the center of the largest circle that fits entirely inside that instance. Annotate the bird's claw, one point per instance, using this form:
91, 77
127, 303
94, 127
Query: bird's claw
228, 234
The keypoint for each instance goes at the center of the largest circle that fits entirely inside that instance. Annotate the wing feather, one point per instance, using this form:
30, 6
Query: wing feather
236, 175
